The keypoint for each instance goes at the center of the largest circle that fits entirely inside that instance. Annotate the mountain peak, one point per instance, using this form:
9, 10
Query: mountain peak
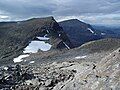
44, 18
76, 21
73, 20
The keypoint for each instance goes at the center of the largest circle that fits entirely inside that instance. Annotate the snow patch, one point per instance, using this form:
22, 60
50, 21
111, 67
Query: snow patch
59, 35
5, 68
43, 38
90, 30
103, 34
66, 45
18, 22
48, 31
34, 46
80, 57
20, 58
32, 62
45, 35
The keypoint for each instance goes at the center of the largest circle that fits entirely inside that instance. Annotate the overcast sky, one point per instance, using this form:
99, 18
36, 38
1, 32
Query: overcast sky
90, 11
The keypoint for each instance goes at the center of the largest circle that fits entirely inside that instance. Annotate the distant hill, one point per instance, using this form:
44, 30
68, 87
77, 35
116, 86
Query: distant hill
79, 32
101, 45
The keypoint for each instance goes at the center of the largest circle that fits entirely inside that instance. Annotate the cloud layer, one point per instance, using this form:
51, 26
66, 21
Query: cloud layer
91, 11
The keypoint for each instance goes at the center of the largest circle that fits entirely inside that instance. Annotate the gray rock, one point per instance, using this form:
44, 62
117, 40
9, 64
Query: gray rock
48, 82
42, 88
33, 82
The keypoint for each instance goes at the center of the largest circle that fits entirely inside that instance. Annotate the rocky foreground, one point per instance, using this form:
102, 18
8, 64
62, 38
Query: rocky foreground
69, 75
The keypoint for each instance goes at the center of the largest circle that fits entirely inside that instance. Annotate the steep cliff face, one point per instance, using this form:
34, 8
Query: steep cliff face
15, 36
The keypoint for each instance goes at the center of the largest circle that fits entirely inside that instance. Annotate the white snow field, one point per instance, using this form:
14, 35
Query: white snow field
34, 46
20, 58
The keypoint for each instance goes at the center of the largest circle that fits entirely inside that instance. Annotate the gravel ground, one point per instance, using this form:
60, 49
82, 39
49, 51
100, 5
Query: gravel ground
82, 74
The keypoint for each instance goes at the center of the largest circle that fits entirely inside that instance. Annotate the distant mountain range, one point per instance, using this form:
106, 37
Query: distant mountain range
110, 31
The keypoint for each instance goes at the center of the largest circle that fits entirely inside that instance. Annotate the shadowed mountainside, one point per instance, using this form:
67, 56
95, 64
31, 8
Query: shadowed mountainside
79, 32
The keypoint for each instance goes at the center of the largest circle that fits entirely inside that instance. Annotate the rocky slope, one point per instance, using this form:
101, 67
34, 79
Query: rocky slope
94, 50
15, 36
103, 75
66, 75
107, 44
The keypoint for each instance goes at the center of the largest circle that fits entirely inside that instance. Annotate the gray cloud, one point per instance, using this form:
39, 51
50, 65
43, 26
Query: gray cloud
87, 10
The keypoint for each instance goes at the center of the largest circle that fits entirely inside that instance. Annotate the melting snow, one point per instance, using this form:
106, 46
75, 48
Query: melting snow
34, 46
80, 57
90, 30
102, 33
45, 35
48, 31
32, 62
6, 68
18, 22
59, 35
43, 38
66, 45
20, 58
